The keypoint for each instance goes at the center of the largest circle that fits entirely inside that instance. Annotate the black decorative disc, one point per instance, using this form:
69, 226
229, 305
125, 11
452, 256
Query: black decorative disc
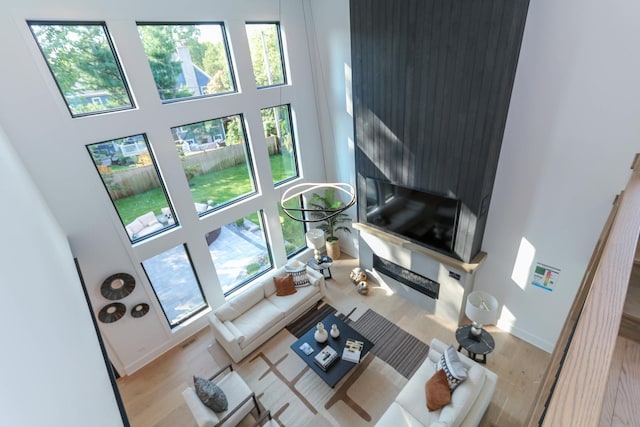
139, 310
112, 312
117, 286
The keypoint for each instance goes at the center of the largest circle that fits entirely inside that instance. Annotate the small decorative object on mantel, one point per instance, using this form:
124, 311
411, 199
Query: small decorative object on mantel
335, 332
321, 334
140, 310
112, 312
117, 286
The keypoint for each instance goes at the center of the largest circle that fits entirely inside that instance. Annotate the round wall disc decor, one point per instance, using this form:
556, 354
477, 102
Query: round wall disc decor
139, 310
112, 312
117, 286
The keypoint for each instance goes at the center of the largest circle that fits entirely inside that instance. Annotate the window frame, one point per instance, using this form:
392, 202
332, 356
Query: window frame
103, 24
195, 275
160, 180
285, 77
225, 40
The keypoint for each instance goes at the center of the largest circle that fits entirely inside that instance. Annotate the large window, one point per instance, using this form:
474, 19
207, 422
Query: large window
187, 60
175, 283
206, 138
82, 61
239, 251
215, 159
266, 54
280, 143
293, 231
129, 173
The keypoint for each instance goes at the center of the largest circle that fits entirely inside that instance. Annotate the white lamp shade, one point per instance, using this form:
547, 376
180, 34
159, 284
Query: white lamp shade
481, 308
315, 238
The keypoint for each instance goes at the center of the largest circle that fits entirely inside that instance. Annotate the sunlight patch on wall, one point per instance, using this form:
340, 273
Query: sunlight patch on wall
524, 261
347, 89
506, 319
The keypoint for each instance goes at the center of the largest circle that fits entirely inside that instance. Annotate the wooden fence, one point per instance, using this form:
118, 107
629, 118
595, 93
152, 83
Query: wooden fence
128, 182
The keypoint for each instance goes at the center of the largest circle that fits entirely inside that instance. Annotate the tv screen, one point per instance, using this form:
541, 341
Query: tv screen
425, 218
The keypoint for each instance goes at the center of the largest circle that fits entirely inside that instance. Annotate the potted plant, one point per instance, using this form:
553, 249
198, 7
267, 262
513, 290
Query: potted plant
324, 204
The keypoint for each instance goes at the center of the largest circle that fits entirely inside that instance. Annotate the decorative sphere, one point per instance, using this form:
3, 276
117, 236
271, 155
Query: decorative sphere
363, 288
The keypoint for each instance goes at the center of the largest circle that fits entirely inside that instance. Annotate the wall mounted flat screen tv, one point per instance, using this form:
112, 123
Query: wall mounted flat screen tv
426, 218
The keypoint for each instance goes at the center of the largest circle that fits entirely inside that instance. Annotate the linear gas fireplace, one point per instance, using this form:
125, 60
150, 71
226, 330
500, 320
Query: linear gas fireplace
422, 284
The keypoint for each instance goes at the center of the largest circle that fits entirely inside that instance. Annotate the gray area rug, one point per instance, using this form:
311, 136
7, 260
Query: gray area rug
401, 350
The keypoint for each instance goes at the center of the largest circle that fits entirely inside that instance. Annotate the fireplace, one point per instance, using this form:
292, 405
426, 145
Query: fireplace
422, 284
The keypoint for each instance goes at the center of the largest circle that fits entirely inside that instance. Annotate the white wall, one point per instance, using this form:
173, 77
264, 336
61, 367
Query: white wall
53, 372
52, 146
330, 43
570, 137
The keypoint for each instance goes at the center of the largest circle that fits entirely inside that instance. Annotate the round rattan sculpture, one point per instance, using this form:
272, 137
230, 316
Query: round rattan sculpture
117, 286
112, 312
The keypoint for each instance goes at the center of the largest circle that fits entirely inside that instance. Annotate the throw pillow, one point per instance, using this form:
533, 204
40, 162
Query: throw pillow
437, 391
210, 394
453, 367
299, 272
284, 285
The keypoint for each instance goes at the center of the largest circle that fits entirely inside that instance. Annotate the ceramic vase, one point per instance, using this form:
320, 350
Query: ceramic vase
321, 334
335, 333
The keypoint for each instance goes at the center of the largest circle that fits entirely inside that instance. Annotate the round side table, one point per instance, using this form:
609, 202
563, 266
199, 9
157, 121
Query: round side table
483, 346
324, 264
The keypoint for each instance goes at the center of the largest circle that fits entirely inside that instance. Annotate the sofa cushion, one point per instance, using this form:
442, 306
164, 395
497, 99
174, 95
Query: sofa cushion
396, 415
411, 397
290, 303
148, 219
437, 391
135, 227
453, 367
284, 285
464, 396
210, 394
269, 288
239, 304
257, 320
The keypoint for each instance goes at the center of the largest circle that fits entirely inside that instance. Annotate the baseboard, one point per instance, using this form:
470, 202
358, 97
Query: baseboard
526, 336
162, 349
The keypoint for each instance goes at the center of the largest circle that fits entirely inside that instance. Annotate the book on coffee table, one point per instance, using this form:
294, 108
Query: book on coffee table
352, 350
325, 358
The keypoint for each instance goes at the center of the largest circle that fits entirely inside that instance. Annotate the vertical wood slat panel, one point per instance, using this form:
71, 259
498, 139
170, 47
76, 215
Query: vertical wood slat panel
434, 86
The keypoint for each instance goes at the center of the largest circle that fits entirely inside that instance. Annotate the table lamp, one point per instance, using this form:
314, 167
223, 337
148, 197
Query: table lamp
481, 309
315, 241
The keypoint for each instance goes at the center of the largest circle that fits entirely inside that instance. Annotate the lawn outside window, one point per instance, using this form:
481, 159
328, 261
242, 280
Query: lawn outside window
129, 173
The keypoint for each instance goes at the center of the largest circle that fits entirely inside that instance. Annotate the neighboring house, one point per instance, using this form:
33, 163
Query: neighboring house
192, 76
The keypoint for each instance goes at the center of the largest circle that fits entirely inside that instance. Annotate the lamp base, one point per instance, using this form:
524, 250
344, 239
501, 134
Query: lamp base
475, 332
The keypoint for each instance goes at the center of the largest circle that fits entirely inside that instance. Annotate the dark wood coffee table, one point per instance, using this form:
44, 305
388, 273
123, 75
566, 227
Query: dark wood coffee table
340, 368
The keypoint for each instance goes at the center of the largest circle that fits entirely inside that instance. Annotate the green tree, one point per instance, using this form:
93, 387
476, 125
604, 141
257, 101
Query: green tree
159, 45
82, 61
264, 44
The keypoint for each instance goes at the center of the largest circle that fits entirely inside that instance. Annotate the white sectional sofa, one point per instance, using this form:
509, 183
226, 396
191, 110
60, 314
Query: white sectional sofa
249, 319
469, 400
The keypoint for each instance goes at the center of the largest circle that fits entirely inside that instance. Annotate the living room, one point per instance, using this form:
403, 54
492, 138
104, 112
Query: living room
567, 144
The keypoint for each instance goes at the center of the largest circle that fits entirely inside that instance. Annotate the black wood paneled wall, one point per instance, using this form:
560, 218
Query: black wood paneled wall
432, 82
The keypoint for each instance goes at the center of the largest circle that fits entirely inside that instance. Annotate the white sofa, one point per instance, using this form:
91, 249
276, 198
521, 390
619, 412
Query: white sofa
469, 400
249, 319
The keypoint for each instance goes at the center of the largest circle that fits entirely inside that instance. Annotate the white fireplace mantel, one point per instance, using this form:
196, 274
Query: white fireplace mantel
454, 276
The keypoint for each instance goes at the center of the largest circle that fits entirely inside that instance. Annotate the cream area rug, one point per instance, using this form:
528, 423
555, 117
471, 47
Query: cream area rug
296, 396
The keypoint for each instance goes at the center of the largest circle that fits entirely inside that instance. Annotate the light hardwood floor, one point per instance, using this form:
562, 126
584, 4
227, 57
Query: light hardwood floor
152, 395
